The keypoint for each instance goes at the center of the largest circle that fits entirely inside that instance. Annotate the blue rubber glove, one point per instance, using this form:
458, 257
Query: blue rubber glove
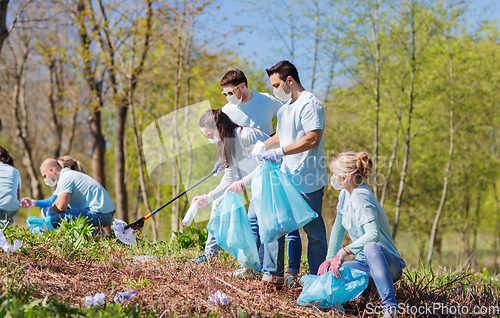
274, 155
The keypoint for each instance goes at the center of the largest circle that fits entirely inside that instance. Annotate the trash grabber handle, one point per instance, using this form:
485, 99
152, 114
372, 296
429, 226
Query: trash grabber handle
182, 193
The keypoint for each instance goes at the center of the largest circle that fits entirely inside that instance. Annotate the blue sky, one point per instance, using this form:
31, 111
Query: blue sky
256, 45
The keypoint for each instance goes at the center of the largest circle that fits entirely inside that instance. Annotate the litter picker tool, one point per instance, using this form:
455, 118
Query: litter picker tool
140, 222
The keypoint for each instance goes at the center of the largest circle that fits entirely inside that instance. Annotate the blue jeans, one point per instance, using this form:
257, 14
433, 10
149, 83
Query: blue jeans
96, 219
383, 268
8, 215
274, 253
293, 239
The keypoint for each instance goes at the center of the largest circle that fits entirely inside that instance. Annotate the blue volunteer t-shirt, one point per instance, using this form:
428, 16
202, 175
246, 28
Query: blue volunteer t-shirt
85, 192
257, 112
360, 208
307, 169
10, 182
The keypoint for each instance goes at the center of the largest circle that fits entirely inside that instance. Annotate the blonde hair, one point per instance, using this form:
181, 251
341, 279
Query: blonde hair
70, 162
352, 163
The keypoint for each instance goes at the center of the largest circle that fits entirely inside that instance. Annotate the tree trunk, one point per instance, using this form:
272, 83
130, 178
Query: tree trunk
408, 129
391, 164
96, 104
140, 162
120, 187
447, 169
98, 146
55, 97
317, 38
20, 113
4, 33
376, 38
497, 214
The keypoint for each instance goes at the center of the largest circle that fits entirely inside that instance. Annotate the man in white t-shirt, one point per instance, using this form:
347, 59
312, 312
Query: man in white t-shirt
247, 108
299, 141
252, 109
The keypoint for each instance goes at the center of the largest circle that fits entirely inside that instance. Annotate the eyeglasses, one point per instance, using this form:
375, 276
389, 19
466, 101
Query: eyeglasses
209, 136
231, 92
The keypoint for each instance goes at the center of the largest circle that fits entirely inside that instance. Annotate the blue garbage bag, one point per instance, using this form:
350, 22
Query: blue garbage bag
230, 226
326, 291
278, 204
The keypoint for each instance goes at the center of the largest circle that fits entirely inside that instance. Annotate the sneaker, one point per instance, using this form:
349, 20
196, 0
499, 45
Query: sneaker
242, 273
280, 282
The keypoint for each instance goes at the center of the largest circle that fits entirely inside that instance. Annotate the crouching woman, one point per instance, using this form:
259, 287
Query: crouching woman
361, 215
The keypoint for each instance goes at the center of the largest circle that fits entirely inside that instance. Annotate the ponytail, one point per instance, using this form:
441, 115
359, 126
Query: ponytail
5, 157
363, 164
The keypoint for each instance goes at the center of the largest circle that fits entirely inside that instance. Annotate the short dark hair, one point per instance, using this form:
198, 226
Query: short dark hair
234, 77
5, 158
284, 69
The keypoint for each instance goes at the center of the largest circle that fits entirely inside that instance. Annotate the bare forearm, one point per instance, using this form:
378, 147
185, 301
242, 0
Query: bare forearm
309, 141
272, 142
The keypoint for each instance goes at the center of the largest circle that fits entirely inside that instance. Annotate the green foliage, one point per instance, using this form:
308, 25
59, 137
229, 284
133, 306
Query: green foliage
195, 238
77, 232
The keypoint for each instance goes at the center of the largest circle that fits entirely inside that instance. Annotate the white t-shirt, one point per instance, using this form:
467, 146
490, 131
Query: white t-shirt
307, 168
360, 208
257, 112
10, 182
85, 192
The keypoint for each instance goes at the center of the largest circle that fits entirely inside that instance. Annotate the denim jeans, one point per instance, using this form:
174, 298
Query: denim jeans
8, 215
383, 268
274, 252
293, 240
96, 219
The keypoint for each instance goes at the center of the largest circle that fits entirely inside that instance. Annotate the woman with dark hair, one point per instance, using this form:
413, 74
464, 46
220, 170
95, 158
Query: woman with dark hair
10, 187
234, 144
45, 204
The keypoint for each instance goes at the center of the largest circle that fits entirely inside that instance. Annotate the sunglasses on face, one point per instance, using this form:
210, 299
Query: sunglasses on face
209, 136
231, 92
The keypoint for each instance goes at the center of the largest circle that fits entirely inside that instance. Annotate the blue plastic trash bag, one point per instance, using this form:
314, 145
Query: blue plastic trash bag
230, 226
326, 291
278, 204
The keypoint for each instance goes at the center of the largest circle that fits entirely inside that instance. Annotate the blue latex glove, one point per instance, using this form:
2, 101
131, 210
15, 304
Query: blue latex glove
274, 155
37, 225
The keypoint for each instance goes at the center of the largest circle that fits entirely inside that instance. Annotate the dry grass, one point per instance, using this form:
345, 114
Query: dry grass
172, 285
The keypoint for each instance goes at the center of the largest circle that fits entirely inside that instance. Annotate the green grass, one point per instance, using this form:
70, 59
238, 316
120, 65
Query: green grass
52, 273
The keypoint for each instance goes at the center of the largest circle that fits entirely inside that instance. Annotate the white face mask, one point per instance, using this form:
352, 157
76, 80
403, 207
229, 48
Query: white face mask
214, 140
280, 94
234, 100
50, 182
335, 181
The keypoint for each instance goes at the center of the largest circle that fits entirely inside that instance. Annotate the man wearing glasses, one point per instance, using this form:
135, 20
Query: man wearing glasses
247, 108
251, 109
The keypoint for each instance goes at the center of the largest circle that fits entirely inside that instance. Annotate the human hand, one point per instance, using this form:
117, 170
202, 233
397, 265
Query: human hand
335, 265
203, 199
27, 203
323, 268
273, 155
236, 187
218, 168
